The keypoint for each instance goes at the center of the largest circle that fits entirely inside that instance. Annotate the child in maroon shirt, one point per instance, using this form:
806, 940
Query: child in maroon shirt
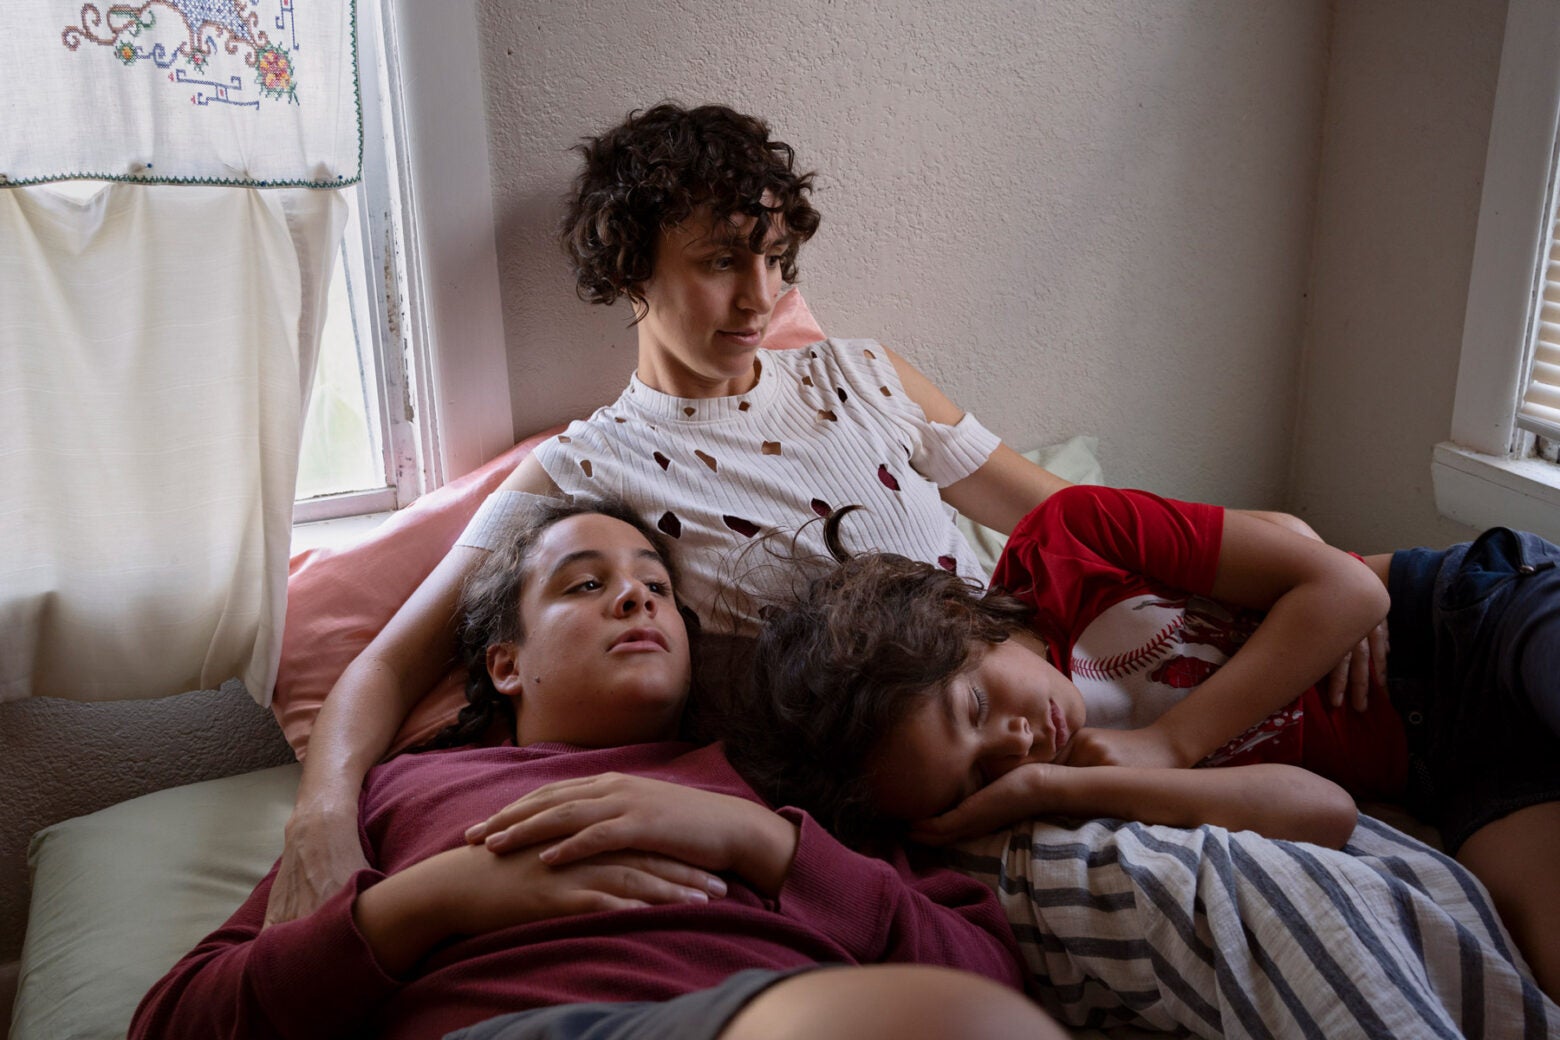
693, 887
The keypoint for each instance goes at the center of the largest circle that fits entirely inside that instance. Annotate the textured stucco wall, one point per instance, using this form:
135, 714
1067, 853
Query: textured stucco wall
1409, 96
60, 759
1092, 217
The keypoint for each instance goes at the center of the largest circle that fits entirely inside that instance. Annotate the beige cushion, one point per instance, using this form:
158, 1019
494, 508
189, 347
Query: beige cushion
120, 895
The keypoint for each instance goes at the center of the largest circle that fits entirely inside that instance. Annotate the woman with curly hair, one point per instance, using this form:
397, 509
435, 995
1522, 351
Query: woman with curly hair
696, 215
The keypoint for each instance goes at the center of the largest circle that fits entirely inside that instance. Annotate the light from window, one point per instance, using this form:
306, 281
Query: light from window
360, 454
397, 308
340, 452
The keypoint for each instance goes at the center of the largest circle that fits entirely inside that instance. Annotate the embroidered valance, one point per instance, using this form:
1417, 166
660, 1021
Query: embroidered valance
259, 93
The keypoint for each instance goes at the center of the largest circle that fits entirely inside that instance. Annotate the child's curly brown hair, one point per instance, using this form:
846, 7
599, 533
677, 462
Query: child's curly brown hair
654, 169
839, 665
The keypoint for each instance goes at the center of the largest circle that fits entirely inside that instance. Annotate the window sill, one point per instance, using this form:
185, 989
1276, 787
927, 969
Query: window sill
1489, 491
334, 534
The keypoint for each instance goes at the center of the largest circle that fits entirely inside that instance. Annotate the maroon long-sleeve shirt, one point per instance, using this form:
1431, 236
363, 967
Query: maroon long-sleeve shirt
317, 976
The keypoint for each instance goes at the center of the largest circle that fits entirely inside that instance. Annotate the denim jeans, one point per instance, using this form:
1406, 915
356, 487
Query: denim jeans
1474, 670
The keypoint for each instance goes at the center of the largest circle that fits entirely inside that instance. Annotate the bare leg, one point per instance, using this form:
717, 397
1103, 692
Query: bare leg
890, 1002
1518, 859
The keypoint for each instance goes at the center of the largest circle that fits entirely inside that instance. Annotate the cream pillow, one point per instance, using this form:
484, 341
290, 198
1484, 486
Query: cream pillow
120, 895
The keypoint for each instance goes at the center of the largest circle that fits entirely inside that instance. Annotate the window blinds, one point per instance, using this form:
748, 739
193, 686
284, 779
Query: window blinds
1540, 408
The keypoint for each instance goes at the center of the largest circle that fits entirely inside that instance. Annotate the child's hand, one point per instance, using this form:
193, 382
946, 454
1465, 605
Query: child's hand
1362, 671
495, 892
1146, 748
466, 891
1013, 796
613, 811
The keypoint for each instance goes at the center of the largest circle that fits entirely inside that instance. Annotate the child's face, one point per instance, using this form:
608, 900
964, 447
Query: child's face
1009, 706
604, 659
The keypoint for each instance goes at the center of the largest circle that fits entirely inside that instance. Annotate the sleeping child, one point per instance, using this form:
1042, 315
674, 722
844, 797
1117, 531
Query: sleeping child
710, 917
1133, 633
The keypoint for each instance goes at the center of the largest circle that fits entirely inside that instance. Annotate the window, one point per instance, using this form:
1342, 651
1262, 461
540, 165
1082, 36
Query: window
412, 386
358, 453
1539, 411
1492, 470
344, 442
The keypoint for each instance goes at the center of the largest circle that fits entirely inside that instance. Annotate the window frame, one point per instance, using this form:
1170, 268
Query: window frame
371, 227
1480, 475
449, 260
443, 370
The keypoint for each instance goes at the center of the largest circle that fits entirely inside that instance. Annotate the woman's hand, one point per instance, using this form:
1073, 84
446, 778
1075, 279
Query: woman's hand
612, 812
1146, 748
321, 852
490, 892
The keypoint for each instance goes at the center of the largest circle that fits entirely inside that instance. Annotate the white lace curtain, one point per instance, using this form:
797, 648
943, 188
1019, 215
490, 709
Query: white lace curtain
157, 339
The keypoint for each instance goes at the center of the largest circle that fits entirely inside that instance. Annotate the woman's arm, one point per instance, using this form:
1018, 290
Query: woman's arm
1006, 487
360, 718
1319, 603
1000, 493
1276, 801
310, 979
785, 855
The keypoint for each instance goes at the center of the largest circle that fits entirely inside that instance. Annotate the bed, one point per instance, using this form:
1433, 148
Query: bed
1126, 929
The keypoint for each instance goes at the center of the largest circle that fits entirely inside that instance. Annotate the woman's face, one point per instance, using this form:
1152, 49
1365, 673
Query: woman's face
1009, 706
604, 659
709, 299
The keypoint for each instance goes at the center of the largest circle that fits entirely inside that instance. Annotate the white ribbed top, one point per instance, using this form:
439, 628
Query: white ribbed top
825, 426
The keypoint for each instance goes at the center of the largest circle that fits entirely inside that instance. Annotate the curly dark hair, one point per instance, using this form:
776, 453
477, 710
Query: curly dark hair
489, 609
841, 664
654, 169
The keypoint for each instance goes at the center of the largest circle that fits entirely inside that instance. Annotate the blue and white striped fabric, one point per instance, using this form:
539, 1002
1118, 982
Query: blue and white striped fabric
1226, 934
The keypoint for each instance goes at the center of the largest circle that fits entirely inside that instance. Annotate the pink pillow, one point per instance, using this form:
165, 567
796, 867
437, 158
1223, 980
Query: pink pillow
339, 599
792, 324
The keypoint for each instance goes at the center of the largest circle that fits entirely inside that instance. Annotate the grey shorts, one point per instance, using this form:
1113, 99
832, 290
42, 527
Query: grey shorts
700, 1015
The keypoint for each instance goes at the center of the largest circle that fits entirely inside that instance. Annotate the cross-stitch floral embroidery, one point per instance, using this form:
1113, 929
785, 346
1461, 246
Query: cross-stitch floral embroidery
276, 75
214, 46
